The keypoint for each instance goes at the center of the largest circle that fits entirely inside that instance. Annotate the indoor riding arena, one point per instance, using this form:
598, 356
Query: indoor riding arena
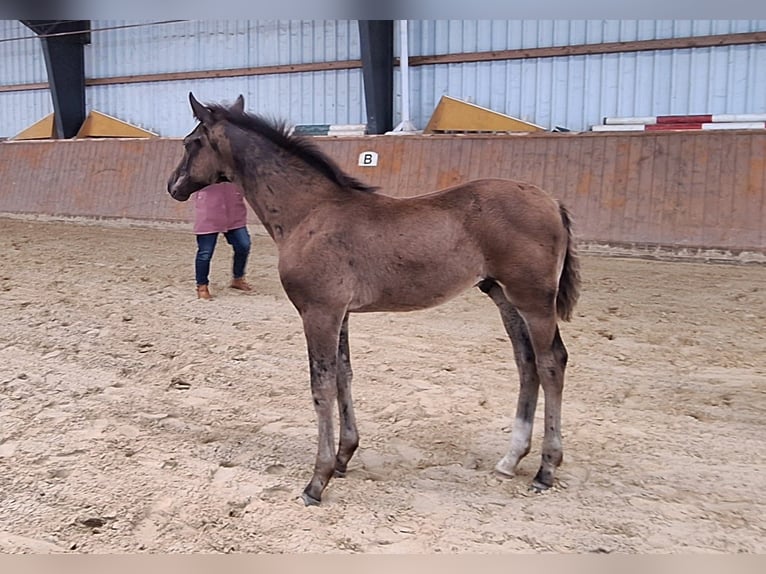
136, 418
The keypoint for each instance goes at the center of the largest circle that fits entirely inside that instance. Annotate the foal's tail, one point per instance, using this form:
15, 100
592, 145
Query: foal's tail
569, 283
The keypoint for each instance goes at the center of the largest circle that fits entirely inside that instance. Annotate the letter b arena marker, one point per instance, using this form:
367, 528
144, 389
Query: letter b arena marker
368, 159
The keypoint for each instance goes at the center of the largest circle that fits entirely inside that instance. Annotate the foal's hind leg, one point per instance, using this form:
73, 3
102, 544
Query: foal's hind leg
524, 355
349, 437
551, 360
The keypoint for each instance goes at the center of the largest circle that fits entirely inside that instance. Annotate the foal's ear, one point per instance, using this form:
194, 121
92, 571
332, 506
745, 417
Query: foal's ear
239, 105
201, 112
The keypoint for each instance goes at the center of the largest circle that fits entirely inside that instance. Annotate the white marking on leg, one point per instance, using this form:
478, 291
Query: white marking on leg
521, 436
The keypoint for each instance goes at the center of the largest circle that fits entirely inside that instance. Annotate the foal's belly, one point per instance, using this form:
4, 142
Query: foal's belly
411, 292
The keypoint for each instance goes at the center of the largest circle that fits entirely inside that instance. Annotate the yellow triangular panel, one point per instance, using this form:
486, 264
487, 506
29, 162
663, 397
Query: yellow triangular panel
98, 125
453, 115
41, 130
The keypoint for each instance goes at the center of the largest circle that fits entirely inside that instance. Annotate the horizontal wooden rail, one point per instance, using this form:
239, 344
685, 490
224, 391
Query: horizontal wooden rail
204, 74
717, 40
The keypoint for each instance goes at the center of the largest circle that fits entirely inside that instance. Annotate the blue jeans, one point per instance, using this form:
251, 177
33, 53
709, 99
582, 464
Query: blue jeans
239, 239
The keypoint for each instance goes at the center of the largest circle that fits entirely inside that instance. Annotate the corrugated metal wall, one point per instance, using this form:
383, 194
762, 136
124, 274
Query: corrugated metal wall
332, 97
692, 189
575, 92
164, 108
21, 62
218, 45
324, 97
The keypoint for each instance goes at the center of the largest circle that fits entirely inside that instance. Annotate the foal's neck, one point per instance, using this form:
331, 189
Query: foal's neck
281, 188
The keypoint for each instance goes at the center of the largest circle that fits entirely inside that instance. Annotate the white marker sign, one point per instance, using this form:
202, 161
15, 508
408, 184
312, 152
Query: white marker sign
368, 159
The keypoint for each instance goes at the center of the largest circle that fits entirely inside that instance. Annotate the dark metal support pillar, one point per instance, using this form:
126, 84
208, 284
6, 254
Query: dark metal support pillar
376, 39
65, 62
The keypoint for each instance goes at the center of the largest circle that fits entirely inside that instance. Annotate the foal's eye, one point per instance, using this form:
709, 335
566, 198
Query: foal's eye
193, 143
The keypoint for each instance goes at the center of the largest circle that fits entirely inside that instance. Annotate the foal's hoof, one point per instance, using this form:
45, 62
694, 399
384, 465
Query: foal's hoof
542, 481
309, 500
538, 487
504, 469
339, 473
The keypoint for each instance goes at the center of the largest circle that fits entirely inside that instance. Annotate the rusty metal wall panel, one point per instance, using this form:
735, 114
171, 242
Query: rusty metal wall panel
691, 189
92, 178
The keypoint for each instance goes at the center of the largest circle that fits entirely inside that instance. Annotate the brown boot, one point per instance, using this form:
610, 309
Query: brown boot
203, 292
241, 284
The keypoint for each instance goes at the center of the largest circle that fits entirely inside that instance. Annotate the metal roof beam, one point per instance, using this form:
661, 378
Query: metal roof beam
62, 43
376, 40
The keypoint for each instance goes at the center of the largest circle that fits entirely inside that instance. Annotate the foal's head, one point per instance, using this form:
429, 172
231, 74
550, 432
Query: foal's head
223, 133
202, 163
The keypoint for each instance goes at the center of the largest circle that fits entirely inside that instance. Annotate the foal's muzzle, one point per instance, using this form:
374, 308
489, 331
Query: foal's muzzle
174, 185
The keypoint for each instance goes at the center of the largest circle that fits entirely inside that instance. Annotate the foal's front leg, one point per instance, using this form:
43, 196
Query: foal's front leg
322, 329
349, 437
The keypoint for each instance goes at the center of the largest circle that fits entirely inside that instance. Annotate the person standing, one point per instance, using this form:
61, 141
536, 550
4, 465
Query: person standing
220, 208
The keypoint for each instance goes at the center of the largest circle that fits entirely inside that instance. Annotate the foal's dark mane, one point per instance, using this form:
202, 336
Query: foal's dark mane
278, 132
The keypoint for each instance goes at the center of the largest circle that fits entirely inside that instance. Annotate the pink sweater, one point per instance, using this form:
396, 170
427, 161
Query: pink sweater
218, 208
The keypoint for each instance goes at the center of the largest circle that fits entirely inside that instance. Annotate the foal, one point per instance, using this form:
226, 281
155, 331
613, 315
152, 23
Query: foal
345, 249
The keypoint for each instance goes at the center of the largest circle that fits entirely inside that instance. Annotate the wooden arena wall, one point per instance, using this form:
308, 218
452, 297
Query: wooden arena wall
700, 189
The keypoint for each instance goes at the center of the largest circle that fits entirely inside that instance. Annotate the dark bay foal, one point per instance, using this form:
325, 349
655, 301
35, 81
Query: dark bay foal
345, 249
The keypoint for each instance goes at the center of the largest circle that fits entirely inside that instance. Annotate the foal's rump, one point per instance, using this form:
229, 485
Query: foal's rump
525, 239
512, 206
514, 223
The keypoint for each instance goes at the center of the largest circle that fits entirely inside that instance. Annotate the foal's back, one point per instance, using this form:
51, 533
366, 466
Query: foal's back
399, 254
